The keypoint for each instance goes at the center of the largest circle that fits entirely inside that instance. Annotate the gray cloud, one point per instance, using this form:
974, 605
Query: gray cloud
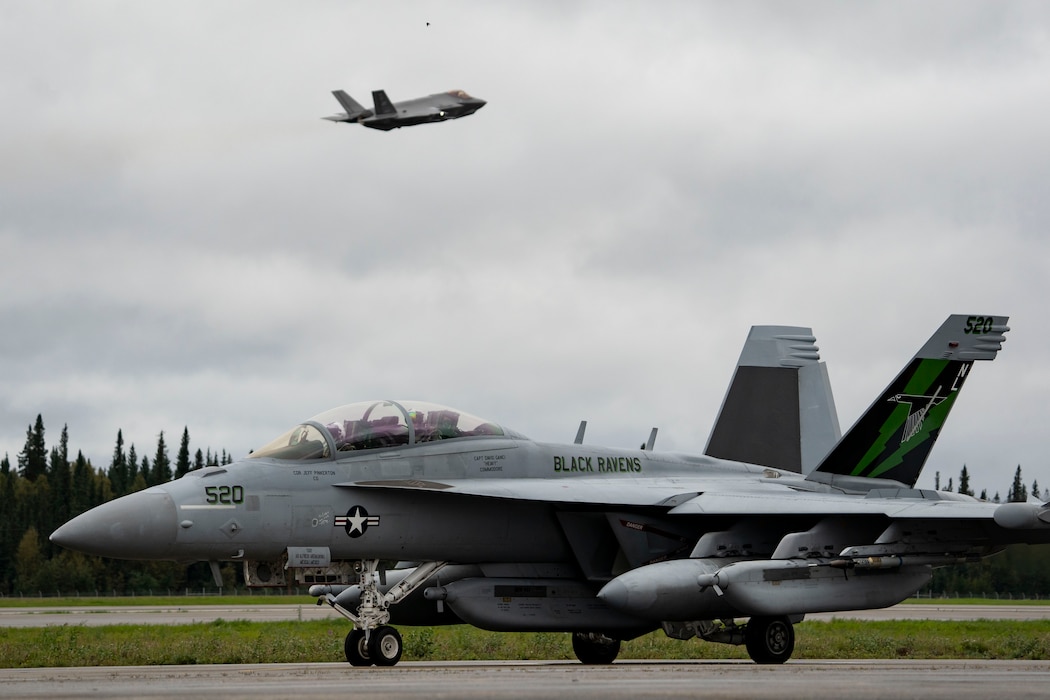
184, 242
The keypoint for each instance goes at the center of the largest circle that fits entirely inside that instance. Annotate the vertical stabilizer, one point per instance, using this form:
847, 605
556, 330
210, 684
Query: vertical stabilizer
779, 410
382, 103
893, 438
351, 105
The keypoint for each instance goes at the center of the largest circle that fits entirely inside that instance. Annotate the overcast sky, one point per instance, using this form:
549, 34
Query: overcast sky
185, 242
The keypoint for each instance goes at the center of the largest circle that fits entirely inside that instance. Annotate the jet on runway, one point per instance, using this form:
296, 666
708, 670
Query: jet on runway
781, 518
389, 115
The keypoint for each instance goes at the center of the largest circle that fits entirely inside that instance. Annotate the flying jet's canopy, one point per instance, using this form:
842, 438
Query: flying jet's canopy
375, 425
461, 94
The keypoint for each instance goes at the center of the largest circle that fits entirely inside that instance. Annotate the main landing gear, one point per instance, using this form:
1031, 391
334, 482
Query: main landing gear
373, 641
769, 640
595, 649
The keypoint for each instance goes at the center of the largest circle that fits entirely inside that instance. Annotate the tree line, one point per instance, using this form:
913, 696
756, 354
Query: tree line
48, 487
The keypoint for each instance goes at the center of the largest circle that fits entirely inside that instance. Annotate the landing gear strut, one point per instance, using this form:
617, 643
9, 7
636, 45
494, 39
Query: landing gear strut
373, 641
769, 640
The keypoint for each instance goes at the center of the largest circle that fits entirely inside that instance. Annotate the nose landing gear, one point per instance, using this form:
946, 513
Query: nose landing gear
373, 641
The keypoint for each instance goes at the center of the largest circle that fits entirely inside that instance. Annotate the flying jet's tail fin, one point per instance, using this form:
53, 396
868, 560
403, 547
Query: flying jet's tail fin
893, 438
382, 103
354, 110
779, 410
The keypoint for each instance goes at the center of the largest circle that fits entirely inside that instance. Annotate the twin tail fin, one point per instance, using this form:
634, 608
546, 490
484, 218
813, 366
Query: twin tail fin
893, 438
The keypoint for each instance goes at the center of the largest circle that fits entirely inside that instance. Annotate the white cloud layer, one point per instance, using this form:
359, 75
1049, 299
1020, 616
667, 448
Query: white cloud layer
184, 242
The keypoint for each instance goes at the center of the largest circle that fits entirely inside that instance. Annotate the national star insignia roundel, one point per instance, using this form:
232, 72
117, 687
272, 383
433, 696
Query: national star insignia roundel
356, 521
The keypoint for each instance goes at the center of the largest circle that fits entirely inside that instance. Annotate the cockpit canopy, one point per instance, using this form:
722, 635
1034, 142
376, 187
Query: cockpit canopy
374, 425
461, 94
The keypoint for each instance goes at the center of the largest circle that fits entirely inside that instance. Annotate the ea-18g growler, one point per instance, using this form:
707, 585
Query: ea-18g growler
779, 518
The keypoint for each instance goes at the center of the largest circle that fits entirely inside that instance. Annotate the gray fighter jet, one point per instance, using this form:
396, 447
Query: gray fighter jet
389, 115
495, 530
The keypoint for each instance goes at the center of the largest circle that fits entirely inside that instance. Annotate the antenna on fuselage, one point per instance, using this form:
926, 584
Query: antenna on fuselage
580, 432
648, 447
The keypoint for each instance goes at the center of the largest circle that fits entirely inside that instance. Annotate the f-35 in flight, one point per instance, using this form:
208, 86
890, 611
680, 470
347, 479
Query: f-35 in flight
389, 115
782, 516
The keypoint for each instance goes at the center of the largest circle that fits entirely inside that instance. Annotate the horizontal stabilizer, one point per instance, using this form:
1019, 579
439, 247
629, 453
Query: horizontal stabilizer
354, 110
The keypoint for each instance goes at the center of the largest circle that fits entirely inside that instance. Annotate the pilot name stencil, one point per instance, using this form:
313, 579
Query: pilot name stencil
490, 463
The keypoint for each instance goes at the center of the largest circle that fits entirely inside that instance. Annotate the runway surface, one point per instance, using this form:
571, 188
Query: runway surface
857, 680
186, 614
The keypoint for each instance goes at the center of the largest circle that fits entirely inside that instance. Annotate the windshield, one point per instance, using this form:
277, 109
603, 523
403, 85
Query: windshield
374, 425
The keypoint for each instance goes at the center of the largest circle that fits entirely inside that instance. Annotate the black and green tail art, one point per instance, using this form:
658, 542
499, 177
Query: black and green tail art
895, 435
894, 438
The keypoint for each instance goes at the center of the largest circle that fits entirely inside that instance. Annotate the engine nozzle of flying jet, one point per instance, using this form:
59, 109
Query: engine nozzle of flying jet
137, 526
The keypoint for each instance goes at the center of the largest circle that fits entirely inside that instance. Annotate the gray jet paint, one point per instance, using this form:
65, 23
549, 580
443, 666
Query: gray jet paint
387, 115
505, 533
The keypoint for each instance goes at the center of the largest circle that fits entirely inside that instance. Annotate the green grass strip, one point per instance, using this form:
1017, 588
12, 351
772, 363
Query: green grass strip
229, 642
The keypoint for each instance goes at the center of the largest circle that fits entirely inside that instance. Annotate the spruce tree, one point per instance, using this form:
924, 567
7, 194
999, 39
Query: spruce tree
964, 482
182, 462
9, 526
1018, 491
60, 478
118, 467
81, 496
133, 468
161, 464
32, 462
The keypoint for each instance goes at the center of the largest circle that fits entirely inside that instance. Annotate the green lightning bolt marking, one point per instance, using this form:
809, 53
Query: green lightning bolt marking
923, 375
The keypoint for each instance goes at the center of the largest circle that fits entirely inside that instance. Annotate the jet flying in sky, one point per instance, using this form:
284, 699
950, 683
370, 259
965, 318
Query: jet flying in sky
387, 115
783, 516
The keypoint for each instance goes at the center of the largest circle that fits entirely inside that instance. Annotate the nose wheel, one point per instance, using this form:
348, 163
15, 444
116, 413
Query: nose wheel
384, 646
356, 648
372, 641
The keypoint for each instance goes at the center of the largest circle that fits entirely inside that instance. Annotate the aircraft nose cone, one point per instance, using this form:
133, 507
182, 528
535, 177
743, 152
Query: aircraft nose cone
137, 526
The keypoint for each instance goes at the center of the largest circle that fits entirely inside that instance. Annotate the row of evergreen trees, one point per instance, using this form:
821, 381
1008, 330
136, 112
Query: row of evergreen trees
48, 488
1018, 492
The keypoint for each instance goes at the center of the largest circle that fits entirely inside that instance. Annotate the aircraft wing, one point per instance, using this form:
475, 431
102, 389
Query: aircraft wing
698, 497
580, 490
722, 503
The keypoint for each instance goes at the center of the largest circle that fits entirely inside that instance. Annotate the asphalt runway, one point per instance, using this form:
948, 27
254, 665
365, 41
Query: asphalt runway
857, 680
186, 614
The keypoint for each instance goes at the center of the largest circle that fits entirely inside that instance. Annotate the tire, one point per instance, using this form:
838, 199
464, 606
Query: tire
356, 650
769, 640
385, 646
595, 649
